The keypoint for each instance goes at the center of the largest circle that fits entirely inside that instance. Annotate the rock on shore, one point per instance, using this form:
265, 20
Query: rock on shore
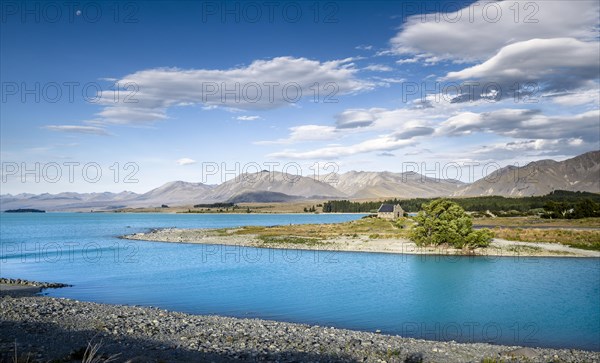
42, 285
60, 329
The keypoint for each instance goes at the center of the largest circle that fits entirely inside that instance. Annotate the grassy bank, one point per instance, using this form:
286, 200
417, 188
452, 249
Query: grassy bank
375, 228
372, 228
537, 222
587, 240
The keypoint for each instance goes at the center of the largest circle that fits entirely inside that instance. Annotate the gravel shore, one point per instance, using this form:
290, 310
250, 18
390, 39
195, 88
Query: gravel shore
59, 330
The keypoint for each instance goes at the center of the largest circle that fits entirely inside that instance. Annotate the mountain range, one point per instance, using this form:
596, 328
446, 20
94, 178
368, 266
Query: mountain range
581, 173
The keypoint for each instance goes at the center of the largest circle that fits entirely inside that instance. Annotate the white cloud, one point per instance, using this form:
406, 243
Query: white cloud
397, 120
390, 80
364, 47
264, 84
578, 97
402, 127
248, 118
407, 60
407, 126
378, 68
305, 133
354, 118
532, 69
534, 148
90, 130
476, 32
400, 123
537, 59
525, 124
383, 143
185, 161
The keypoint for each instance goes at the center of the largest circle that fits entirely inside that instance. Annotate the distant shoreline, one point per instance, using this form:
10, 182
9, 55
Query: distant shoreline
498, 247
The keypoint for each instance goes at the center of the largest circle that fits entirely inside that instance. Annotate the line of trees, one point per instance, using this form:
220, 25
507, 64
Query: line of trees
472, 204
215, 205
565, 210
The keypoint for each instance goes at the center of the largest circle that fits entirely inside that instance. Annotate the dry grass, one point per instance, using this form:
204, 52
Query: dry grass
22, 358
91, 354
537, 222
293, 240
589, 240
368, 227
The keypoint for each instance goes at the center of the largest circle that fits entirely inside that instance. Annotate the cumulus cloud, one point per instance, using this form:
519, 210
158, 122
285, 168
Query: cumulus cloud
477, 31
529, 49
185, 161
537, 65
399, 128
264, 84
402, 124
90, 130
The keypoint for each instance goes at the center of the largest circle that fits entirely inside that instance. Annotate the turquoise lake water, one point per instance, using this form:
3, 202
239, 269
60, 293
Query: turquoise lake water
549, 302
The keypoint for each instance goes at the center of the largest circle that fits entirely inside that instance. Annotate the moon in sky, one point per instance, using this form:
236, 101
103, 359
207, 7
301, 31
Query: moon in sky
78, 12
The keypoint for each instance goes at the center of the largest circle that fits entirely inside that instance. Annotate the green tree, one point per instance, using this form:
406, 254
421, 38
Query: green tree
585, 209
445, 222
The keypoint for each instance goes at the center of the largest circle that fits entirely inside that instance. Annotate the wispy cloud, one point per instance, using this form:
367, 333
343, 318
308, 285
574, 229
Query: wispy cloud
536, 148
524, 124
378, 68
90, 130
185, 161
305, 133
264, 84
383, 143
248, 118
354, 118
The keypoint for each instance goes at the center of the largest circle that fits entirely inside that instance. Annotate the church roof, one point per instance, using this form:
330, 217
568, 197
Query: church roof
386, 208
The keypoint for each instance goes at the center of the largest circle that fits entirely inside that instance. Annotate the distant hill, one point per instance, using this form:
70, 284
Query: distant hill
66, 201
25, 211
581, 173
363, 185
176, 193
277, 182
262, 197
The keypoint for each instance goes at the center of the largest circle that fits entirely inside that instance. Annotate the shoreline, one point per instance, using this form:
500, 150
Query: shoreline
498, 247
55, 328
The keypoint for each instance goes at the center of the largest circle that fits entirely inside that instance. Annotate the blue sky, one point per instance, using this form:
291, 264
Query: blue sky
392, 68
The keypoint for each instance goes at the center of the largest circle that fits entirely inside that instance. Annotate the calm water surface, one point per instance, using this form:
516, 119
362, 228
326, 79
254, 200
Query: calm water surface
551, 302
